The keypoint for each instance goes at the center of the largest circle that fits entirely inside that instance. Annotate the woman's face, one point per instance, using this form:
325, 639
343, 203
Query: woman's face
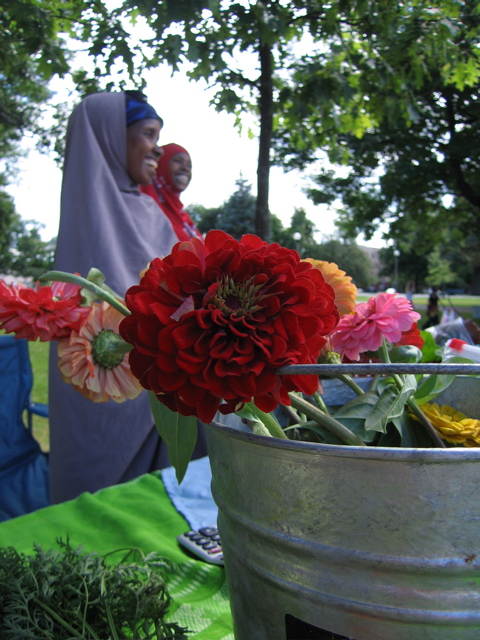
180, 170
142, 150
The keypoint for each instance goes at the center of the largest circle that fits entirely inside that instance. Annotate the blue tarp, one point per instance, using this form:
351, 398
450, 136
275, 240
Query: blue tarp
23, 466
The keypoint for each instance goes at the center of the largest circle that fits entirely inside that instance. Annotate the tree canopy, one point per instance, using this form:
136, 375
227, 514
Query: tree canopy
387, 89
33, 49
22, 251
407, 127
237, 216
364, 57
366, 60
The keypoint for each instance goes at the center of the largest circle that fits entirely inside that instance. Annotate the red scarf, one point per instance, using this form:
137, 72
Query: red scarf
163, 191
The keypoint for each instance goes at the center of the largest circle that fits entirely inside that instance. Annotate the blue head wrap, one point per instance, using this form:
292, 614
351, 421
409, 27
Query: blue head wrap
138, 108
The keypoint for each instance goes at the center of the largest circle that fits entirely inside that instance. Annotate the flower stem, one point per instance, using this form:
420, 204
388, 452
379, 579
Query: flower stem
412, 403
339, 430
292, 414
63, 276
351, 383
268, 420
383, 352
321, 404
385, 358
422, 418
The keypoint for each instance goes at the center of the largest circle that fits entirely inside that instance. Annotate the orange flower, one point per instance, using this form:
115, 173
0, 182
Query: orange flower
345, 290
94, 361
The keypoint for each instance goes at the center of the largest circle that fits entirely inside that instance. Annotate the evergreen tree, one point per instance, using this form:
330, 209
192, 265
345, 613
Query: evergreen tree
205, 218
235, 216
300, 234
238, 214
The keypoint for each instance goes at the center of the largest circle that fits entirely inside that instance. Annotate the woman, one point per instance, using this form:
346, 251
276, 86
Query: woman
173, 176
106, 222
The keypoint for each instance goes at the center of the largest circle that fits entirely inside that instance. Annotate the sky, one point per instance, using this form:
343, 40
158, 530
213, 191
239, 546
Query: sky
220, 156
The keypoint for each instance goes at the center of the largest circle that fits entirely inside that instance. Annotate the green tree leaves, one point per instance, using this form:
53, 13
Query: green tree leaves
22, 251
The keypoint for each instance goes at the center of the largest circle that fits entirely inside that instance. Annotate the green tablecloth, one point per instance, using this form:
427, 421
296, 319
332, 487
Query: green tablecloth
136, 514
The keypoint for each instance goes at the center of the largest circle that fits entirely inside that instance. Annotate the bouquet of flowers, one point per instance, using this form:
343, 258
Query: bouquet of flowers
226, 326
84, 319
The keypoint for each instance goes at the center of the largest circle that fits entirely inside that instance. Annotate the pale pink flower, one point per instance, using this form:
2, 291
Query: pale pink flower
88, 363
383, 316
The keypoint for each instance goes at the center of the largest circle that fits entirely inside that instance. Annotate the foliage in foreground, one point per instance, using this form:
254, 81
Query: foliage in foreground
66, 593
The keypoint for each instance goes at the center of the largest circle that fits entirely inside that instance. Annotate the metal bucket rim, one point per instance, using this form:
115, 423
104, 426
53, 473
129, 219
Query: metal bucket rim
451, 454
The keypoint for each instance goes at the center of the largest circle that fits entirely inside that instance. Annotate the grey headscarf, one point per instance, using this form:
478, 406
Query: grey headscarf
106, 222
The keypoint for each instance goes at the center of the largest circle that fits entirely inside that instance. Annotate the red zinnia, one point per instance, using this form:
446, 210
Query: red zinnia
412, 337
211, 323
46, 312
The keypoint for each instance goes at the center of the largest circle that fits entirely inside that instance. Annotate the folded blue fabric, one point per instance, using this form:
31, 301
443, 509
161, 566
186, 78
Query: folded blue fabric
193, 497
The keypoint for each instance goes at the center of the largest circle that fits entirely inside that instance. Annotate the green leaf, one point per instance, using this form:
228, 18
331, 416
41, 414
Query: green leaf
391, 438
259, 429
178, 432
405, 353
391, 404
354, 414
430, 347
440, 384
431, 387
384, 410
320, 434
261, 423
256, 424
404, 432
325, 420
435, 384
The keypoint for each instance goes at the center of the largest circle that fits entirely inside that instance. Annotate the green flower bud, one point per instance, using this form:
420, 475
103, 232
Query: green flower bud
108, 349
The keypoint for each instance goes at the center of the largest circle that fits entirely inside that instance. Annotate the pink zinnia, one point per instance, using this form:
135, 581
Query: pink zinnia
46, 312
89, 362
384, 316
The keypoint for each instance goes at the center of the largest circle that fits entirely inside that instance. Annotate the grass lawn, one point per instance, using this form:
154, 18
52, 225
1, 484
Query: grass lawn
39, 359
39, 354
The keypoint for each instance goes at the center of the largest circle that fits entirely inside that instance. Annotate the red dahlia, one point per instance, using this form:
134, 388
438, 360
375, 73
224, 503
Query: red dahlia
211, 323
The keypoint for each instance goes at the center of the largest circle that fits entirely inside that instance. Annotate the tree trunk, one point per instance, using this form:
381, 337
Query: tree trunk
475, 283
262, 218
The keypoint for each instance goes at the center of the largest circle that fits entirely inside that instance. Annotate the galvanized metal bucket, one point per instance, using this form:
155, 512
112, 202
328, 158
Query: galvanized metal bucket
367, 543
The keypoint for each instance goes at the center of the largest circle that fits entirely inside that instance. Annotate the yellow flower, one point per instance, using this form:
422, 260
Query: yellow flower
345, 290
453, 426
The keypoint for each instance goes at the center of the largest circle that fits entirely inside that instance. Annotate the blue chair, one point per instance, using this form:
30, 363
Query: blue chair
24, 472
35, 408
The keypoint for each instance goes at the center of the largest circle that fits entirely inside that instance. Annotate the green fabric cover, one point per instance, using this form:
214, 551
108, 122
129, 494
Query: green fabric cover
135, 514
